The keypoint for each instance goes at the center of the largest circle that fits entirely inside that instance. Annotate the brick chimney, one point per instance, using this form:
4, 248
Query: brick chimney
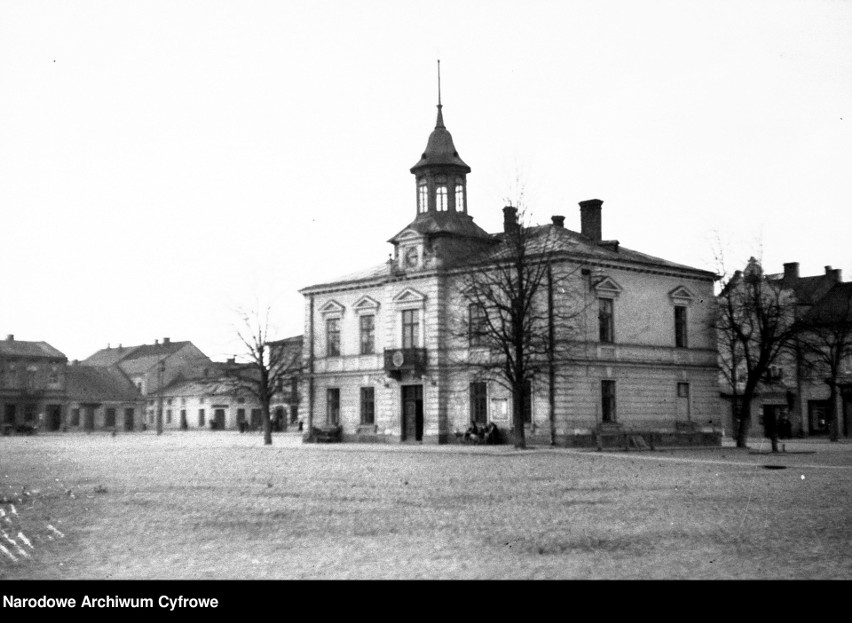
834, 274
10, 338
156, 342
558, 221
791, 271
510, 218
590, 219
167, 340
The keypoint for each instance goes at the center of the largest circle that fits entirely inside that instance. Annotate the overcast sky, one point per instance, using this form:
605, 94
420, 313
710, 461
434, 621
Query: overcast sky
165, 163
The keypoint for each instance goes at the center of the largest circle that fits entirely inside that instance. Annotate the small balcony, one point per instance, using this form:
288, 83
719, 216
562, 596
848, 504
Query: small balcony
399, 360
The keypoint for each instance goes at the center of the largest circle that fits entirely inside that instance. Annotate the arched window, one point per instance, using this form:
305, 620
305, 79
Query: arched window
422, 198
441, 198
459, 197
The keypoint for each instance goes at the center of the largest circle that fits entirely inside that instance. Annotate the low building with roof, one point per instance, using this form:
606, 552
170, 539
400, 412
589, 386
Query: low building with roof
32, 385
151, 367
102, 398
384, 363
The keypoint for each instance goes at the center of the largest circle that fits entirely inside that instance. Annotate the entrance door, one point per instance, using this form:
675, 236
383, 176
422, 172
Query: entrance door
818, 417
54, 417
9, 415
89, 419
219, 418
412, 413
128, 418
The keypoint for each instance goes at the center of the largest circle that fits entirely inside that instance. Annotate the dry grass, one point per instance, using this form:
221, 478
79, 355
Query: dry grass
221, 505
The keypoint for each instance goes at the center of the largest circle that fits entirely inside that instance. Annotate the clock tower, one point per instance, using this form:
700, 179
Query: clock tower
441, 203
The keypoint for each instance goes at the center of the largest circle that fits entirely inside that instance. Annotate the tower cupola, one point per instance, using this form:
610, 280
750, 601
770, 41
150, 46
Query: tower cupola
440, 173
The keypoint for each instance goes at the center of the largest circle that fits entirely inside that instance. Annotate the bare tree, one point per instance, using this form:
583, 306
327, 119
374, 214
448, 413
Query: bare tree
516, 331
756, 319
270, 365
825, 343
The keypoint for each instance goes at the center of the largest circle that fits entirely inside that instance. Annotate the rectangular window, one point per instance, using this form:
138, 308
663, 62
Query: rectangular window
422, 198
527, 402
477, 324
332, 337
368, 335
605, 313
441, 198
168, 416
110, 418
608, 401
683, 390
332, 413
256, 418
368, 405
410, 328
479, 403
201, 421
680, 326
75, 417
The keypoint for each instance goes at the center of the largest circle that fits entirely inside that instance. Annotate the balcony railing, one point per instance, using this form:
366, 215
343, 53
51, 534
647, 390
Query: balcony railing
399, 360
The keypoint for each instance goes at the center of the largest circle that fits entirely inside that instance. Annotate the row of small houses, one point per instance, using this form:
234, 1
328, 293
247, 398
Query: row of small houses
123, 388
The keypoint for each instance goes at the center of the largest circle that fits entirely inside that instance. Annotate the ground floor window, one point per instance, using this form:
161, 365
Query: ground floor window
368, 405
201, 421
168, 416
256, 417
608, 401
75, 417
109, 421
479, 403
332, 413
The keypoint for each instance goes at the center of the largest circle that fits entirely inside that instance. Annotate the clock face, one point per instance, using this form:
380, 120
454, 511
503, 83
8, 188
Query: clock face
411, 256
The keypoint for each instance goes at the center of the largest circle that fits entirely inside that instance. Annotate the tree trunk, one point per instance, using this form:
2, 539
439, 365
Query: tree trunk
518, 415
833, 421
744, 421
267, 426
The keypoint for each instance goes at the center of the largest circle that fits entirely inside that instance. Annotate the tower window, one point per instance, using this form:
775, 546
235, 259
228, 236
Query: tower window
605, 318
459, 198
422, 198
680, 326
441, 198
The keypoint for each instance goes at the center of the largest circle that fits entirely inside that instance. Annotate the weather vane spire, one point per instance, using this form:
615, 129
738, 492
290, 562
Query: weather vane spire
439, 83
440, 123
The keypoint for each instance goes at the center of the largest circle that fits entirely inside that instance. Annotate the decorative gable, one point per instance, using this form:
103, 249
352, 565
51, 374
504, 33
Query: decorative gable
409, 295
332, 307
366, 303
681, 295
607, 286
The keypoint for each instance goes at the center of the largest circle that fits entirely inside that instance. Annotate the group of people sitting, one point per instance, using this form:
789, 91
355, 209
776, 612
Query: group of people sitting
477, 433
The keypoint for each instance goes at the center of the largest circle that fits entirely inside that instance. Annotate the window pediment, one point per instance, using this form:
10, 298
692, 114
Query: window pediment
409, 295
332, 307
365, 303
607, 286
682, 295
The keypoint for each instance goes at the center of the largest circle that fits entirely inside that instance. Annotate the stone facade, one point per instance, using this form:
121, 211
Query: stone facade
386, 362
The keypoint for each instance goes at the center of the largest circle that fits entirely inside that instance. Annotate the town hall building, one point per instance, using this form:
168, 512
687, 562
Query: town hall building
385, 360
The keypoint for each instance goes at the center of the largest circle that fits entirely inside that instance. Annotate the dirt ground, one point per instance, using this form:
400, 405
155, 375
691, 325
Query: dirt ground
208, 505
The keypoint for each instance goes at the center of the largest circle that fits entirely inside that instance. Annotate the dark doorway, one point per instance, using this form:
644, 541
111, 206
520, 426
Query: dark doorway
279, 423
219, 419
89, 419
818, 417
54, 417
9, 415
412, 413
128, 419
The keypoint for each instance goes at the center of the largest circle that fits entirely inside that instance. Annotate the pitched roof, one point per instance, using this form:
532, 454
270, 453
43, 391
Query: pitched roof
99, 384
18, 348
135, 359
834, 307
440, 150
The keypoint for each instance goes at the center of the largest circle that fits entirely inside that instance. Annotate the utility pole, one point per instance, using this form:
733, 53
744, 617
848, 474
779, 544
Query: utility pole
161, 368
